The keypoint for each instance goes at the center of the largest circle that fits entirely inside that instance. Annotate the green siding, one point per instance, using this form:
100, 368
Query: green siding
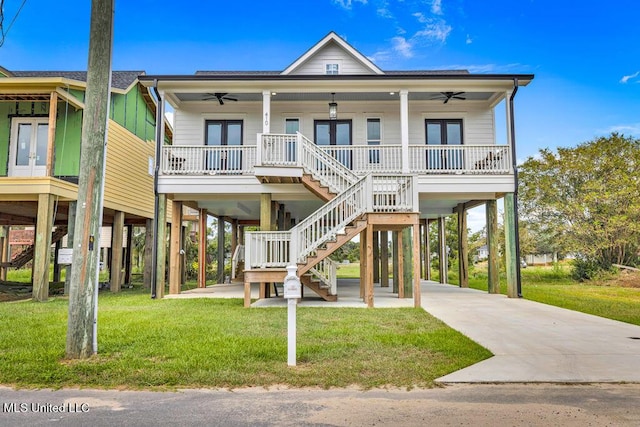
5, 134
130, 111
68, 139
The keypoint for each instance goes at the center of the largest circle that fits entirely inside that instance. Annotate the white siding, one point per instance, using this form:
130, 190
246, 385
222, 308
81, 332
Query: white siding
478, 119
332, 53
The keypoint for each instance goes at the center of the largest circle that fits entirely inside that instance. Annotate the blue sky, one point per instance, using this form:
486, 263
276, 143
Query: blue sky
585, 55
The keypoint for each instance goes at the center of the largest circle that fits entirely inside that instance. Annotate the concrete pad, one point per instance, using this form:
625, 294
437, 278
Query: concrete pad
535, 342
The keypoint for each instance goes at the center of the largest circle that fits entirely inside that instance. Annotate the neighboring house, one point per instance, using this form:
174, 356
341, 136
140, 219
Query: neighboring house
40, 139
330, 148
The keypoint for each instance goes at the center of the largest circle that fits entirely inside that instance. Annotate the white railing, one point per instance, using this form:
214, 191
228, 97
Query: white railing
394, 193
278, 149
327, 272
265, 249
204, 160
364, 159
458, 159
329, 220
324, 167
238, 257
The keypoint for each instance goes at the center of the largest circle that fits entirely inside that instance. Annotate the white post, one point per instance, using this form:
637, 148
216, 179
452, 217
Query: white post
266, 111
404, 129
292, 292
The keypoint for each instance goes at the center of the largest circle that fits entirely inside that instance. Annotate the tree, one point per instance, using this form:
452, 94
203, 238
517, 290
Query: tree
587, 199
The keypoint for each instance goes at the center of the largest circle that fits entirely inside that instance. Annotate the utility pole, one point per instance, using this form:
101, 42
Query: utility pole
83, 291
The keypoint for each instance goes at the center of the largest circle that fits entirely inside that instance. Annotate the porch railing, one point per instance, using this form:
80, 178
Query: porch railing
458, 159
207, 160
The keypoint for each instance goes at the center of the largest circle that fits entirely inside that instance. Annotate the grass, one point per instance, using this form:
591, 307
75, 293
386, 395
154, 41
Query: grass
554, 286
166, 344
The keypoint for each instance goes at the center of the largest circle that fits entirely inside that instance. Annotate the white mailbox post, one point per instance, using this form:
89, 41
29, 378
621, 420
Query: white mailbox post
292, 291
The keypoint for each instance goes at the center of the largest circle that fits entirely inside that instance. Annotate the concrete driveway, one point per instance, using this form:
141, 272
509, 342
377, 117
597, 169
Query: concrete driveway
535, 342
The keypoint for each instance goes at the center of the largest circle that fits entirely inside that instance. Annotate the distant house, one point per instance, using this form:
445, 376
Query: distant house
40, 138
330, 148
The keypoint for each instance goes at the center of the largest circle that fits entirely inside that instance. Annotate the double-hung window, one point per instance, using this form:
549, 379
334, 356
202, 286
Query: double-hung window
332, 68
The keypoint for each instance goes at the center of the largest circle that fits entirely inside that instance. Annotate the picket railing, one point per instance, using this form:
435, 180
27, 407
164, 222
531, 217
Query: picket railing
327, 272
207, 160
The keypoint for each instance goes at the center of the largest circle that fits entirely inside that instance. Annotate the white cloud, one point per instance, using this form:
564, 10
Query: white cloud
438, 30
402, 46
625, 79
632, 129
347, 4
383, 12
484, 68
436, 7
469, 40
421, 18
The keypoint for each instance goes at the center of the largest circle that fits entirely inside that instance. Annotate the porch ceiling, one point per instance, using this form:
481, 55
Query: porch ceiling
326, 96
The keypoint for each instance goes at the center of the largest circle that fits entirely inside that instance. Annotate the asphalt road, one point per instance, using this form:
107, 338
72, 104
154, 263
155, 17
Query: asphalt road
455, 405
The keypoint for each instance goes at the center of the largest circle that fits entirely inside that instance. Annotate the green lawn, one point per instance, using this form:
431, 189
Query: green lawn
161, 344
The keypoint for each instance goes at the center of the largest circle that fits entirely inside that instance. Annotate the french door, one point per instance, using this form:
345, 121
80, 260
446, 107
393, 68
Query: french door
335, 133
228, 134
28, 153
444, 132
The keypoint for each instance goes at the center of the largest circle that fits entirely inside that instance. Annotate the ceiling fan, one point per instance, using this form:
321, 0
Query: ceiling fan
221, 97
447, 96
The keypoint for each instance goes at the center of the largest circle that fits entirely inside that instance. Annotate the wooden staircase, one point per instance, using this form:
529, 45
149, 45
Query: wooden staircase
26, 255
316, 187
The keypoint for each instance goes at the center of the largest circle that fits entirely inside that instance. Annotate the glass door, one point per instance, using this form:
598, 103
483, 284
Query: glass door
444, 132
28, 155
224, 133
336, 133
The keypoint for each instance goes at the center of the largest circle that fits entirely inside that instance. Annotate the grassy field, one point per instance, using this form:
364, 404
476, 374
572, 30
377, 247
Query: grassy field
165, 344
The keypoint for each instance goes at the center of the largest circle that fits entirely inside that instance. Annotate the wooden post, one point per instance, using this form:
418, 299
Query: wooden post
82, 339
202, 248
128, 255
427, 250
234, 236
363, 263
395, 262
376, 257
51, 136
511, 258
400, 250
56, 266
42, 244
384, 259
369, 268
492, 246
463, 247
416, 266
407, 264
265, 212
148, 253
174, 247
442, 250
4, 250
116, 251
220, 250
161, 250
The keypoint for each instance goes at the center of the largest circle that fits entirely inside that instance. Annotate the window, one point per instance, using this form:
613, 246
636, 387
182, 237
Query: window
227, 135
373, 138
444, 132
332, 68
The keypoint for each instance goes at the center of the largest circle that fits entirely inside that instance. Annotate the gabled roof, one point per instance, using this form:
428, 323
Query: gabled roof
119, 79
332, 37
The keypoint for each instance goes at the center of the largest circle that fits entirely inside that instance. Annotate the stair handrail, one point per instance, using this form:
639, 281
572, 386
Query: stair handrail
323, 166
327, 272
328, 220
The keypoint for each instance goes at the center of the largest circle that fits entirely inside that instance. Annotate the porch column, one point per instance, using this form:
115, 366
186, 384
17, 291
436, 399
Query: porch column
174, 247
116, 251
220, 250
408, 264
266, 111
51, 137
463, 247
404, 129
202, 248
417, 301
384, 259
442, 250
369, 267
511, 257
265, 212
129, 254
42, 247
395, 262
492, 247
